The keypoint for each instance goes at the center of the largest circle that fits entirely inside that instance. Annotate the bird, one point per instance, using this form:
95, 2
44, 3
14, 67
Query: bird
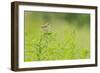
45, 27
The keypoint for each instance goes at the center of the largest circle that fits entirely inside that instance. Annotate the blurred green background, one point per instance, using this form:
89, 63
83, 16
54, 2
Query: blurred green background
68, 36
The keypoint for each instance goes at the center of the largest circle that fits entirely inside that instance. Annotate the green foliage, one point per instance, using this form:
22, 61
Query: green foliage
69, 37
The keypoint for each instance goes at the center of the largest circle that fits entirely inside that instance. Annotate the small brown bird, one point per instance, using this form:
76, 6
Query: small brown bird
45, 27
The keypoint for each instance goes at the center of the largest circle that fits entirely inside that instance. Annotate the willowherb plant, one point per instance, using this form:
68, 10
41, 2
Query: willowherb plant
42, 44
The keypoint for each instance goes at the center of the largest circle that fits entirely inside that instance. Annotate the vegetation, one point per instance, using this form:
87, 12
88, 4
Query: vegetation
56, 36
